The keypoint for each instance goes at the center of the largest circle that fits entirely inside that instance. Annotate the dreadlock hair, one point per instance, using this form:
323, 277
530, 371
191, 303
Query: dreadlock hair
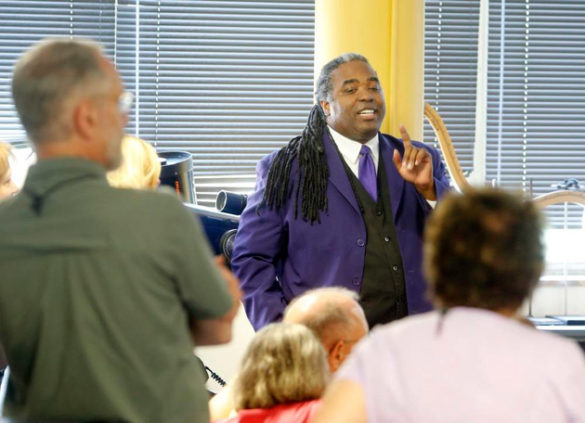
309, 151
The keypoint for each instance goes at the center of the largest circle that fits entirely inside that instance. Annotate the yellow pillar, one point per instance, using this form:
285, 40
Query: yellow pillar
390, 33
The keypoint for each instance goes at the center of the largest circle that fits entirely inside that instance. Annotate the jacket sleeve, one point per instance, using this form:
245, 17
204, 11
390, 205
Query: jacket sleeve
442, 184
258, 248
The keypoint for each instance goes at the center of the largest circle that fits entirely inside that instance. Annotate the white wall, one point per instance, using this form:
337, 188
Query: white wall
225, 359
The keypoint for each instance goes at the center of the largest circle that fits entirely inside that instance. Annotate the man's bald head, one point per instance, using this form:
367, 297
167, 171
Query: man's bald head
334, 315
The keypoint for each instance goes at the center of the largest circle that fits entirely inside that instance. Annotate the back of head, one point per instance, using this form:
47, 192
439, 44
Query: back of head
140, 167
330, 312
46, 78
483, 249
284, 363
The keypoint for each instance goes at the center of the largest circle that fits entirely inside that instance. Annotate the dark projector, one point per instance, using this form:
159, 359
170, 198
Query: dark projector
220, 228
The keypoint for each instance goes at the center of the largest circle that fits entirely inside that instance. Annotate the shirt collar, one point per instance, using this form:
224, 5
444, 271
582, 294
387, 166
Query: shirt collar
47, 173
350, 149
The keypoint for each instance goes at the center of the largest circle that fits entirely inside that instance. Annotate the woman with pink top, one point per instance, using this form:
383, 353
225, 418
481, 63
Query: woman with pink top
283, 374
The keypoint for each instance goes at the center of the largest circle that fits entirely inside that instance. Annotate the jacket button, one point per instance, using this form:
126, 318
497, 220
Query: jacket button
387, 238
355, 281
395, 268
361, 242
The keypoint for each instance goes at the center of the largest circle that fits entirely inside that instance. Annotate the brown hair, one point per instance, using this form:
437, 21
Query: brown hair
483, 249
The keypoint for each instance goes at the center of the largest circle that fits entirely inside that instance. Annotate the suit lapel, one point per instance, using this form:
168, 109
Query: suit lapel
395, 181
337, 175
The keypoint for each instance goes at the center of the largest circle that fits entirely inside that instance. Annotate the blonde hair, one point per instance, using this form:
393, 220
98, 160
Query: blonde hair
140, 167
5, 153
284, 363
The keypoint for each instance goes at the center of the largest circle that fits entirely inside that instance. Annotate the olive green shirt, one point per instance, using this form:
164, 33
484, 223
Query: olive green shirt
96, 288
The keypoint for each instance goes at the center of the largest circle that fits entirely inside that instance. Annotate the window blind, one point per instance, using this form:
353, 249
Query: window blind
450, 74
24, 23
536, 97
228, 81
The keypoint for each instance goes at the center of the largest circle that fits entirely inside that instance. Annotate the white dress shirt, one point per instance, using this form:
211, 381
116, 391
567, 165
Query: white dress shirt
350, 150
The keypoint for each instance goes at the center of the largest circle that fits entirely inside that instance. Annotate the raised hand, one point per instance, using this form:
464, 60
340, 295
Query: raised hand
415, 166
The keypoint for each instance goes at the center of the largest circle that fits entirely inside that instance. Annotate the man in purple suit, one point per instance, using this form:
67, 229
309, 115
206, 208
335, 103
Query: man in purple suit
342, 204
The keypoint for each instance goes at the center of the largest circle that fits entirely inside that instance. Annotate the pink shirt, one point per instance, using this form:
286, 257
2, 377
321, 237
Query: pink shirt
476, 366
298, 412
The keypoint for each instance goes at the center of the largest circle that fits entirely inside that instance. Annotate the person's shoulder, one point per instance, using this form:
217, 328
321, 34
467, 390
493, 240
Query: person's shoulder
516, 332
6, 204
160, 201
144, 195
265, 164
549, 350
383, 338
548, 341
398, 143
296, 412
410, 323
269, 158
387, 138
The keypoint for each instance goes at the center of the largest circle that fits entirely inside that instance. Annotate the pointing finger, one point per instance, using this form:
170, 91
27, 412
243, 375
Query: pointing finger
404, 135
408, 156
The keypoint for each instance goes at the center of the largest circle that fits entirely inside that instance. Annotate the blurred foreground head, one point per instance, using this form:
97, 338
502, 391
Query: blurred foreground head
483, 249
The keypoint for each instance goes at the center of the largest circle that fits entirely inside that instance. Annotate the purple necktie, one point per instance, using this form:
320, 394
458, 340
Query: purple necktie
367, 172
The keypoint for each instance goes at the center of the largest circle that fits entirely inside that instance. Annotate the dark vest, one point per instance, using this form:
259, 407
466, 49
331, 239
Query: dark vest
382, 294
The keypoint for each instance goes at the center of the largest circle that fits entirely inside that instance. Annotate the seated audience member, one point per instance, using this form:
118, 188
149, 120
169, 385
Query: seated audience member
7, 185
283, 374
140, 167
471, 360
333, 314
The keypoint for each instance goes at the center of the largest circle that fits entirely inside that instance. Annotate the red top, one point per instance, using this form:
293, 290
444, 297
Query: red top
297, 412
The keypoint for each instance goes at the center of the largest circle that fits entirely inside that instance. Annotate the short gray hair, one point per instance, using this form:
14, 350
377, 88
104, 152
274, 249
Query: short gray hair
284, 363
331, 310
323, 87
46, 76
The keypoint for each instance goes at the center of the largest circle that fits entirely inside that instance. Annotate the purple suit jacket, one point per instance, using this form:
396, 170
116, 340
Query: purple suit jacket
277, 257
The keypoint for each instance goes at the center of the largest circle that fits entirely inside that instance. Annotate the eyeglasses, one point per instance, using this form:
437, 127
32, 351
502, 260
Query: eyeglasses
125, 102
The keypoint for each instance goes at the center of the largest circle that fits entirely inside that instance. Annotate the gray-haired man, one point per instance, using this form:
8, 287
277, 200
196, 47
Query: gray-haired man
103, 290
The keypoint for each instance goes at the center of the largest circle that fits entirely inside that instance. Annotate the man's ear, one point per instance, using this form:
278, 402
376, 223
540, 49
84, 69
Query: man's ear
85, 119
325, 107
336, 355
